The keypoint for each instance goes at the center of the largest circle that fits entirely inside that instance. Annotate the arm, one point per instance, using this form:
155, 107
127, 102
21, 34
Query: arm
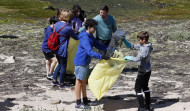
88, 48
114, 25
73, 35
81, 29
141, 55
136, 47
128, 44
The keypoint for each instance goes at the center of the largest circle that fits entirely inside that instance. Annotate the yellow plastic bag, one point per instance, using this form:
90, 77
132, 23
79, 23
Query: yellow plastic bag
104, 75
71, 51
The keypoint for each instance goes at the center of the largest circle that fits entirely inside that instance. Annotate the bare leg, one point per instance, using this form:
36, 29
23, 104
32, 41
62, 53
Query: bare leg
48, 63
84, 88
78, 86
53, 64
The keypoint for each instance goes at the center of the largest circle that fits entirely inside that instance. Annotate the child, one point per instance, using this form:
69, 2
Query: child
61, 53
79, 17
144, 68
51, 60
82, 60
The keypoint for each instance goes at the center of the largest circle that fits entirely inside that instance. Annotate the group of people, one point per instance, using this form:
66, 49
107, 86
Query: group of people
75, 24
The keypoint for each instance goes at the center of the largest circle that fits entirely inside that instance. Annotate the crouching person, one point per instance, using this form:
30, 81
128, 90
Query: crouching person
82, 60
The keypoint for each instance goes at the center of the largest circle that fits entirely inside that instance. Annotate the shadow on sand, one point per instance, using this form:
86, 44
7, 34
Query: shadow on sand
5, 106
119, 102
8, 36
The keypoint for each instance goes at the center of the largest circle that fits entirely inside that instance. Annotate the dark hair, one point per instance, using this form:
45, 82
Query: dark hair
104, 7
53, 19
90, 23
77, 8
59, 12
142, 35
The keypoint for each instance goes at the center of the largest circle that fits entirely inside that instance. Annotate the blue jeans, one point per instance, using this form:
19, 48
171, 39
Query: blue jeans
62, 64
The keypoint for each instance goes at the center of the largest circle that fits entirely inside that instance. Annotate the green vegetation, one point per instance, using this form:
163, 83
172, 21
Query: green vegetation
30, 11
23, 11
171, 9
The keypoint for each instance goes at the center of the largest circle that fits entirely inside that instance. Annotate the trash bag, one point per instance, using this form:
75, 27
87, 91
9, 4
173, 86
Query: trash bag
71, 52
104, 74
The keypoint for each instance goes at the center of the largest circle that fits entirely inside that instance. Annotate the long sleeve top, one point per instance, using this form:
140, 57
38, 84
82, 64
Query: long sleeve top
67, 32
143, 56
85, 49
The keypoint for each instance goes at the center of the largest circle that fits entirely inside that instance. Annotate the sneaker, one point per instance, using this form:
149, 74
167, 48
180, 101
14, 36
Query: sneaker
91, 103
63, 86
82, 106
149, 108
55, 83
50, 76
141, 109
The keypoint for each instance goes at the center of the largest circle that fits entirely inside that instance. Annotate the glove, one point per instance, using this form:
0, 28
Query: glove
105, 57
128, 58
126, 43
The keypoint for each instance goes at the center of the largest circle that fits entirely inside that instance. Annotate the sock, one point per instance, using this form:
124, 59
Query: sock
85, 100
78, 101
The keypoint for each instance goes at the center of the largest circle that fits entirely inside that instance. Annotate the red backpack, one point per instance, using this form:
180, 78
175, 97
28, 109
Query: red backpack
53, 40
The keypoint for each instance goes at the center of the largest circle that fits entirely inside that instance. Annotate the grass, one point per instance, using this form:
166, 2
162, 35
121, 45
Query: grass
23, 11
171, 9
30, 11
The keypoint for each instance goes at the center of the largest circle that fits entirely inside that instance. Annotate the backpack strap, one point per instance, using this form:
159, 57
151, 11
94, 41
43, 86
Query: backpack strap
60, 28
62, 35
53, 27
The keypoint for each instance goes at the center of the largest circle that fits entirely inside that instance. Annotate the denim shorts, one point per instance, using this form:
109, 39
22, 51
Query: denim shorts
81, 72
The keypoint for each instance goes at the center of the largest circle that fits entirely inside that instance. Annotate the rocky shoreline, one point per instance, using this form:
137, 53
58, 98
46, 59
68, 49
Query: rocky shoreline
22, 67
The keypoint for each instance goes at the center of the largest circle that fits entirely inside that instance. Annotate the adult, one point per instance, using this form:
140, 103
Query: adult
106, 26
61, 53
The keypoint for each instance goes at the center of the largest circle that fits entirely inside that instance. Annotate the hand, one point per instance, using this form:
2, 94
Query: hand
77, 33
105, 57
126, 43
128, 58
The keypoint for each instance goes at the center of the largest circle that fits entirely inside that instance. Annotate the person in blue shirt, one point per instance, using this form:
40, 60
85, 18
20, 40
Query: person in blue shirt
144, 68
61, 53
51, 60
106, 26
82, 60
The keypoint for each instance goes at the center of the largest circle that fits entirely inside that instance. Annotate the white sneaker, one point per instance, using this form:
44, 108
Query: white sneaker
82, 106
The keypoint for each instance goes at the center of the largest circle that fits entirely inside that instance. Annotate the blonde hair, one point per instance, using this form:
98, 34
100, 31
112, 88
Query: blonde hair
65, 15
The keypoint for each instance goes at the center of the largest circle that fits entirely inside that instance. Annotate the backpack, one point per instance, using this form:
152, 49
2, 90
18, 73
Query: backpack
53, 40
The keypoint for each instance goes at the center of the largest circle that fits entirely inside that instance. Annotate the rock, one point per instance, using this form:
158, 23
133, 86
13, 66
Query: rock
25, 52
7, 59
50, 8
55, 101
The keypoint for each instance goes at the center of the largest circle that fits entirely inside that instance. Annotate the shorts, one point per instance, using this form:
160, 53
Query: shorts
49, 55
82, 72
